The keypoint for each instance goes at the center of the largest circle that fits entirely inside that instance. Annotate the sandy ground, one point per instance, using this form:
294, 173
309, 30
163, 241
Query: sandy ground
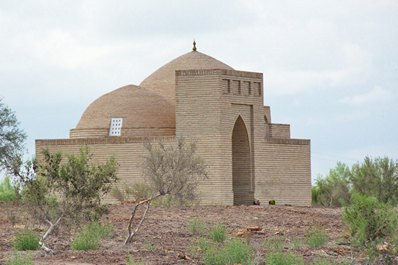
166, 239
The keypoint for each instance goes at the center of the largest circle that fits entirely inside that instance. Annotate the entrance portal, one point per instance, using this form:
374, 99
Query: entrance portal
241, 164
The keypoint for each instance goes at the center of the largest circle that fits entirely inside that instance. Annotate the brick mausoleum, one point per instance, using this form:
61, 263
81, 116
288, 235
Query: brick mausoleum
200, 98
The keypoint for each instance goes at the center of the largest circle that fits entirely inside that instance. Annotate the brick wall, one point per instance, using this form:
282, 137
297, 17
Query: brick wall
128, 152
281, 131
283, 172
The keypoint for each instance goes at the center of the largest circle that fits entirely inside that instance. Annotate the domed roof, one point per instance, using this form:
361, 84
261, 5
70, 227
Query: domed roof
139, 108
162, 80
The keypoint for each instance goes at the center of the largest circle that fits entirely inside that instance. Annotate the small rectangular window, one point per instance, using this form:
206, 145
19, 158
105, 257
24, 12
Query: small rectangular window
115, 129
236, 87
257, 88
247, 88
226, 86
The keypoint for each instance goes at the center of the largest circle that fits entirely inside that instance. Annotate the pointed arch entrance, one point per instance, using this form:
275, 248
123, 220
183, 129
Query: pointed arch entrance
241, 164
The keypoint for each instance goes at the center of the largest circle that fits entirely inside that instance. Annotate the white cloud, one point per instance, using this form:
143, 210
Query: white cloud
375, 95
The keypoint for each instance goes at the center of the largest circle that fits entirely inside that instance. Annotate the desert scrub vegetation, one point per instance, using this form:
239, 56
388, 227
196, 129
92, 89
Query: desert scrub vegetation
373, 225
89, 238
26, 240
234, 251
282, 258
7, 190
376, 177
274, 244
218, 232
80, 185
173, 172
316, 237
196, 226
216, 249
138, 191
20, 259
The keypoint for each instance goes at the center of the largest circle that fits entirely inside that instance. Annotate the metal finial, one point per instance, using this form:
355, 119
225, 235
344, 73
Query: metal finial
194, 46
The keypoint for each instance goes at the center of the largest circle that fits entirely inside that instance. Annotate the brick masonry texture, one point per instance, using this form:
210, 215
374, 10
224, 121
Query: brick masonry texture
221, 109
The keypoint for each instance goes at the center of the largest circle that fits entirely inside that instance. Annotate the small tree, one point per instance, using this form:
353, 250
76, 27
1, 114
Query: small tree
172, 170
12, 137
377, 177
68, 190
334, 189
371, 222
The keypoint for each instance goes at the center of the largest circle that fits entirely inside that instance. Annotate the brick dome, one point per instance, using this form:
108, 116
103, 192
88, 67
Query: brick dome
144, 113
162, 80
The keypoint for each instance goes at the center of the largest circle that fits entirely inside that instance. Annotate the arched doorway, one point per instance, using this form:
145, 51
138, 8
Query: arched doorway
241, 164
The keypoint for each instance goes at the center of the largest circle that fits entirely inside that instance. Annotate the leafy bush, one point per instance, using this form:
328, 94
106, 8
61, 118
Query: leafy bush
373, 177
334, 189
90, 236
20, 260
280, 258
79, 183
218, 233
274, 244
26, 240
271, 202
235, 251
196, 226
370, 221
378, 178
7, 191
316, 237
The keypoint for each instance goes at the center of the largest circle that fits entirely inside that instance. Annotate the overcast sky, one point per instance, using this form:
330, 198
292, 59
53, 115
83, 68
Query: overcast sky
330, 67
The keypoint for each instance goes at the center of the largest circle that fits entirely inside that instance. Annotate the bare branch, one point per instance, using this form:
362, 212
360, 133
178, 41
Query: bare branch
173, 170
131, 233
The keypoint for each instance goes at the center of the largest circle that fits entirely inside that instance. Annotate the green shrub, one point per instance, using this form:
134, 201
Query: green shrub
213, 256
200, 246
20, 260
296, 244
85, 241
26, 240
235, 251
274, 244
89, 237
280, 258
7, 191
272, 202
196, 226
316, 237
370, 221
218, 233
334, 189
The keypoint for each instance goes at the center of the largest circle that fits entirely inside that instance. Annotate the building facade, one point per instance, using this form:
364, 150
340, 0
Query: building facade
204, 100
